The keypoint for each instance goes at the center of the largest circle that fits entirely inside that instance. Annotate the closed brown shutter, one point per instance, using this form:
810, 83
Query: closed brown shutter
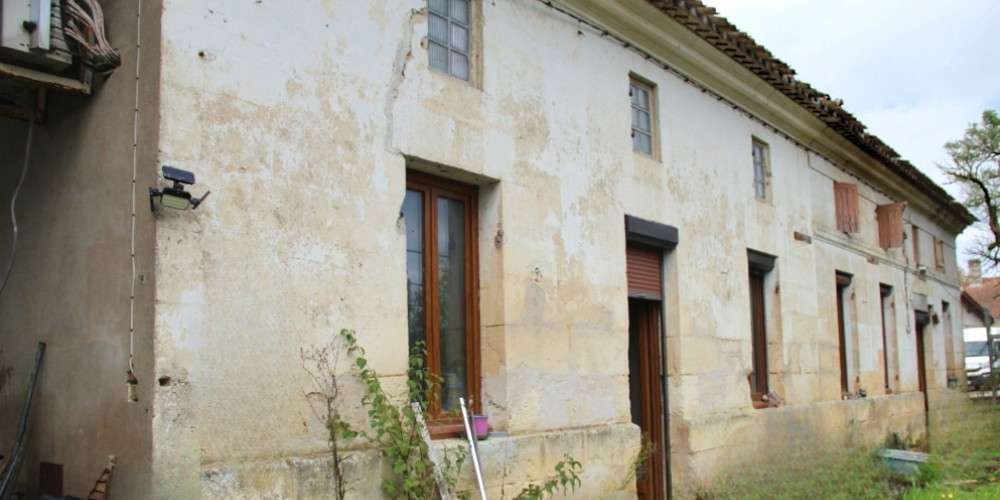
890, 225
643, 270
938, 254
845, 199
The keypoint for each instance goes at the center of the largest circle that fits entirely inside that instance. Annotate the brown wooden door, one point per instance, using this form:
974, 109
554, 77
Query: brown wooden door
922, 322
646, 390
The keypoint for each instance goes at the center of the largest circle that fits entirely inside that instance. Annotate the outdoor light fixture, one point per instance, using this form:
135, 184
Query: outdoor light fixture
176, 197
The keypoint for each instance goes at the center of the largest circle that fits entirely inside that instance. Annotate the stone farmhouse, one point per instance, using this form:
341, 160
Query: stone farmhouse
609, 221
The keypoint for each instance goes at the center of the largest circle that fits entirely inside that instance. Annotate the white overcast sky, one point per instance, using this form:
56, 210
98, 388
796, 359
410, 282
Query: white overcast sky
916, 72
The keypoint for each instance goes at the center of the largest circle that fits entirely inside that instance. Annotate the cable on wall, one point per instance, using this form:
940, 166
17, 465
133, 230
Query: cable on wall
17, 190
4, 369
131, 381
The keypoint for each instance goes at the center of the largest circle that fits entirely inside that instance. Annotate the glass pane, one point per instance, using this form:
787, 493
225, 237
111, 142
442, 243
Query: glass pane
437, 29
645, 143
451, 287
459, 38
634, 92
644, 122
460, 65
759, 189
413, 217
635, 117
975, 348
438, 6
460, 11
439, 56
643, 98
758, 172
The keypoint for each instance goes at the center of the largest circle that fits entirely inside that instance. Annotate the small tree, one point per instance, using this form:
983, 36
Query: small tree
974, 164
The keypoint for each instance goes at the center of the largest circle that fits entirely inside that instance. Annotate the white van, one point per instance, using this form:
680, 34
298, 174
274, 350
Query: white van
977, 357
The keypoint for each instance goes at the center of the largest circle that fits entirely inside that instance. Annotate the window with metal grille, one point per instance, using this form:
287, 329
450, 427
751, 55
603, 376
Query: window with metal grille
641, 95
761, 172
449, 33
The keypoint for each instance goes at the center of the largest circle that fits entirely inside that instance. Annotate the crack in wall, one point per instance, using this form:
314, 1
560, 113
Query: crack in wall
404, 53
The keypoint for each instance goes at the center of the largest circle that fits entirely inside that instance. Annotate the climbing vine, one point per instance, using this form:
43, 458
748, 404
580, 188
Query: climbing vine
395, 428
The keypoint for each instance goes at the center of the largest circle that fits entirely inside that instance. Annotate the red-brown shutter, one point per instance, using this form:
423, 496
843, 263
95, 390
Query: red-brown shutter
890, 225
643, 270
845, 198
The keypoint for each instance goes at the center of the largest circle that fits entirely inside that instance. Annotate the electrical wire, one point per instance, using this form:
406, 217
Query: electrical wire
17, 190
135, 162
620, 39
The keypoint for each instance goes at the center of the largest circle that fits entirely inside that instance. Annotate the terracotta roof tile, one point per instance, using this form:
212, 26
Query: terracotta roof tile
987, 294
718, 31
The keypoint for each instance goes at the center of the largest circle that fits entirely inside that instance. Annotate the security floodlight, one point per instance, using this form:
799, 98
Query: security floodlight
176, 197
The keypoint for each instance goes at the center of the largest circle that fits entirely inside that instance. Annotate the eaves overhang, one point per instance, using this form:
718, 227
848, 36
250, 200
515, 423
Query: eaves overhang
697, 43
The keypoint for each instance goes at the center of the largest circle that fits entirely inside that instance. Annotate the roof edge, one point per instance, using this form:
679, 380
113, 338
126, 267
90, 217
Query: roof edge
707, 24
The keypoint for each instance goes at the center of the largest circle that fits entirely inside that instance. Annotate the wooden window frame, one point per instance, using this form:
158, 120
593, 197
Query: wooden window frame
761, 172
845, 199
433, 188
886, 305
650, 89
759, 265
844, 282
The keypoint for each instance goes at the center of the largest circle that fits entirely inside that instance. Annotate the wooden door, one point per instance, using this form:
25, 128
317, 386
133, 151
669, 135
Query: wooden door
922, 321
646, 391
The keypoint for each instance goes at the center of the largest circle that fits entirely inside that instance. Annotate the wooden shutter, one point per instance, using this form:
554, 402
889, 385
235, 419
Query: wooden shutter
845, 198
644, 271
890, 225
938, 254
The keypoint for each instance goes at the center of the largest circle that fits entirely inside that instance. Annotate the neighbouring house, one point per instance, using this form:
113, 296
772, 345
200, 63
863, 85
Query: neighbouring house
610, 221
981, 310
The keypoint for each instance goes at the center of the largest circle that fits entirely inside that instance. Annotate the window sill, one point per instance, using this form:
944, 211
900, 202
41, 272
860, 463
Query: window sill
647, 156
758, 402
446, 427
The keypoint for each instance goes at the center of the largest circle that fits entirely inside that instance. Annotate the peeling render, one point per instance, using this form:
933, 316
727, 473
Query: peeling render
303, 123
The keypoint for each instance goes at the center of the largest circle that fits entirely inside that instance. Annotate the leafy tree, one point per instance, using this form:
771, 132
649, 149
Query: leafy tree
974, 165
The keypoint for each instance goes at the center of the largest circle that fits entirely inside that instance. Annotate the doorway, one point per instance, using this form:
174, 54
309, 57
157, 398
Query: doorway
646, 369
645, 249
922, 320
646, 389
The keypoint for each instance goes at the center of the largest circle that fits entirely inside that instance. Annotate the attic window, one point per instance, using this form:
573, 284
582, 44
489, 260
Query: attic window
761, 172
449, 30
845, 198
642, 97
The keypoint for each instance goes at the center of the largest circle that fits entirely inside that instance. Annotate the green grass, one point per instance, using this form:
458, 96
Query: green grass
964, 464
965, 441
954, 492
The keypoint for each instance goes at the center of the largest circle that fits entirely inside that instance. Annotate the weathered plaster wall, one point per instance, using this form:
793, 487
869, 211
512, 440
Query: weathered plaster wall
303, 121
72, 273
